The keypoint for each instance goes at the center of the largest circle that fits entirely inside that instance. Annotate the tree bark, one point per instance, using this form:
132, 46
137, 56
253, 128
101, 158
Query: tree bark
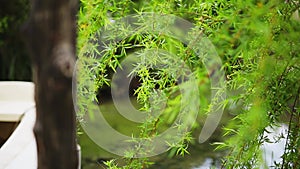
51, 37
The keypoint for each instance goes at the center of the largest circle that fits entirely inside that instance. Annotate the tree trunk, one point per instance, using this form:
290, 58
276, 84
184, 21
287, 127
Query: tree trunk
51, 37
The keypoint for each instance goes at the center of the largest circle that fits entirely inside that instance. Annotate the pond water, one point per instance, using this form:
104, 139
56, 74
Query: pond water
202, 156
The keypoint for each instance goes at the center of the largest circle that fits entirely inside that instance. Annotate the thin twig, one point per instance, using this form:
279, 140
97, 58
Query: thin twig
290, 126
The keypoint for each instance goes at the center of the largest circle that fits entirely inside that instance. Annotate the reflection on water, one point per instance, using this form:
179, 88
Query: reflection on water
202, 156
273, 151
207, 164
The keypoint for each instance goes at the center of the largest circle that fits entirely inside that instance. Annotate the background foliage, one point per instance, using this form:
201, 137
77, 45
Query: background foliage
14, 60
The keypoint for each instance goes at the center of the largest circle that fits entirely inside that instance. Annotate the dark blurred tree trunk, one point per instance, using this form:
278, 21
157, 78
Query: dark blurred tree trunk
51, 36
